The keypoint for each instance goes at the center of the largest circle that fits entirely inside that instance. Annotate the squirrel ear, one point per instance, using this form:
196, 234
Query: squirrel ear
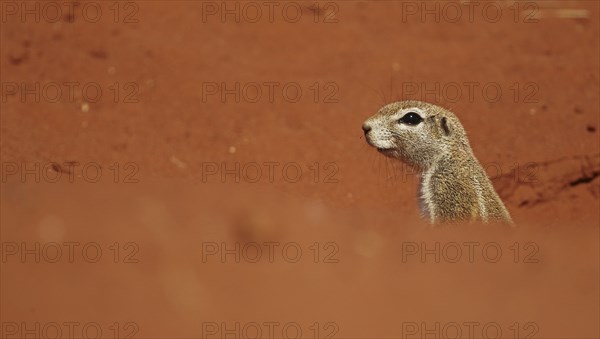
444, 125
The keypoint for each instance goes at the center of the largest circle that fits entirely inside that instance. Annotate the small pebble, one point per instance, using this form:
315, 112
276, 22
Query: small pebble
572, 13
180, 164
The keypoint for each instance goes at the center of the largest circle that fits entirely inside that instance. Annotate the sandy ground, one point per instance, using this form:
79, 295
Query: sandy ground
168, 172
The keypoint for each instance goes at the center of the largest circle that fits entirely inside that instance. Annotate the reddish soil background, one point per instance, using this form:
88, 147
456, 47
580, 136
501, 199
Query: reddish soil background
539, 140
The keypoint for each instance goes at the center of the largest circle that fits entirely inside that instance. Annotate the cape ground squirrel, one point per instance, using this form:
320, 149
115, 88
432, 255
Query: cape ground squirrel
430, 139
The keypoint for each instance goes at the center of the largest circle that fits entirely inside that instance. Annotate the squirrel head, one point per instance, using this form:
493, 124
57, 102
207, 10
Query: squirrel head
416, 132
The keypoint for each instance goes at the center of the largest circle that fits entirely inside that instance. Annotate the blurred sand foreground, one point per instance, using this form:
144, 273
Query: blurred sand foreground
176, 259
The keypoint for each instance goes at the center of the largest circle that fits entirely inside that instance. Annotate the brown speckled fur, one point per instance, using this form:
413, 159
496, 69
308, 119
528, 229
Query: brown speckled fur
454, 186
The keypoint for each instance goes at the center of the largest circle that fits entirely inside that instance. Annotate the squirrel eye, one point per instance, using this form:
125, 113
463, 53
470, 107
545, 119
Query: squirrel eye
411, 118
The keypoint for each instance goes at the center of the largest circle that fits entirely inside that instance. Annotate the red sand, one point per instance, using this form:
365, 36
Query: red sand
164, 204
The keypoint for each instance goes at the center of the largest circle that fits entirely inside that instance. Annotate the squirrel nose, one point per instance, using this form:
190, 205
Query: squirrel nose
366, 128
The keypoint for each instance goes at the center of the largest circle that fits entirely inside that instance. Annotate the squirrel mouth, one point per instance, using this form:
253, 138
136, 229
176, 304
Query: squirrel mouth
385, 151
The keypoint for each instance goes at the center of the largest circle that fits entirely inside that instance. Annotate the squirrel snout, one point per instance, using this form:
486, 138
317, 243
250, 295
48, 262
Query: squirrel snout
366, 128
